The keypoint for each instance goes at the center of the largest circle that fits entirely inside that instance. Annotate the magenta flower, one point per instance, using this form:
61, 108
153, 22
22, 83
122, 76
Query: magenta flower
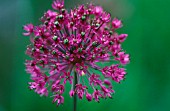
116, 23
29, 28
69, 46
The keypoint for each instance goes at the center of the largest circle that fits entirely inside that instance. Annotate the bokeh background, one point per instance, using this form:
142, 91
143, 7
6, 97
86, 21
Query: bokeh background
147, 85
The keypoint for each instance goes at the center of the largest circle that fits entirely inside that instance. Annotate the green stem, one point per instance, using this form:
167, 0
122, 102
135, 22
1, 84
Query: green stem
75, 95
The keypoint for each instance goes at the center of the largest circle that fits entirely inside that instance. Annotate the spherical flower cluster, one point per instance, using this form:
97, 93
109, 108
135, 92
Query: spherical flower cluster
69, 46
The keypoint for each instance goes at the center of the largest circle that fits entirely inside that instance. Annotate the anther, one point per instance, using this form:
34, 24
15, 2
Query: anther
56, 23
54, 52
81, 68
97, 25
83, 18
80, 50
41, 62
46, 22
75, 15
71, 23
36, 38
89, 10
33, 50
93, 57
94, 43
55, 66
42, 48
110, 43
63, 10
61, 17
66, 41
48, 18
67, 57
82, 34
111, 32
106, 28
55, 38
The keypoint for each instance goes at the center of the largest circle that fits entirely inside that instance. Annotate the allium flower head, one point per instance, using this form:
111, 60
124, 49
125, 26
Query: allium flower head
67, 48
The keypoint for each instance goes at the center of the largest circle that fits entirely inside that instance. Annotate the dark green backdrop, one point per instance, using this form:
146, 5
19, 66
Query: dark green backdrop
147, 87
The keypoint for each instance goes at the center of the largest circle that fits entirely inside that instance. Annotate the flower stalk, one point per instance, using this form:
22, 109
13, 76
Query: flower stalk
75, 95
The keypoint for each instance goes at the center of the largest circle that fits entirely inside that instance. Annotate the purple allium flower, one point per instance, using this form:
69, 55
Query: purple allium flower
29, 28
69, 46
116, 23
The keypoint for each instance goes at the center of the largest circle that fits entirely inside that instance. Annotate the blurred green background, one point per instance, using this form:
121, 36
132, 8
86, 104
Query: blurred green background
147, 86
